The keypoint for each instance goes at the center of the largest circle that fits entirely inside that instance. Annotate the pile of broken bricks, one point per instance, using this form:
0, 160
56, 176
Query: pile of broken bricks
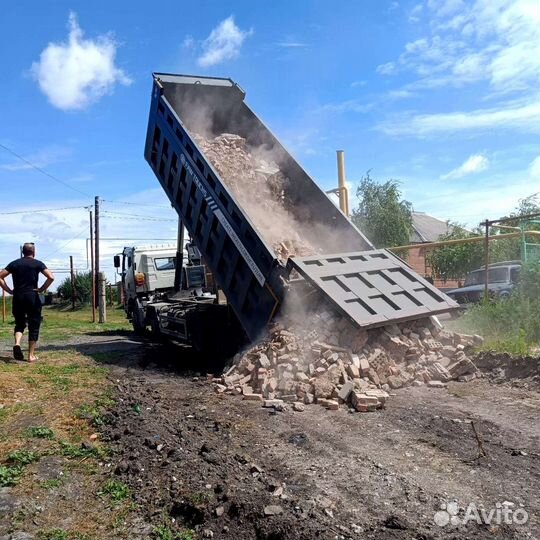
328, 361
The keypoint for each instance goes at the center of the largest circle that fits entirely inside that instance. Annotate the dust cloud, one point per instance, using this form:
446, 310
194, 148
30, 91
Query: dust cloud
259, 186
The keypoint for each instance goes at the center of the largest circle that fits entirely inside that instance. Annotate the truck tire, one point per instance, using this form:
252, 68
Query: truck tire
138, 319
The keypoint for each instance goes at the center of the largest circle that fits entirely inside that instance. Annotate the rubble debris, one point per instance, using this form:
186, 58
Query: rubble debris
257, 183
273, 510
328, 361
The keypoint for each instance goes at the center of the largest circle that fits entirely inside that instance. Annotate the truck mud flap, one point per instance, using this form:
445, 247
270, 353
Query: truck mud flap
372, 288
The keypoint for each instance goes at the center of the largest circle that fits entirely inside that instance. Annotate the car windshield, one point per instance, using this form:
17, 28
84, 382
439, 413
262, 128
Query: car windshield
165, 263
495, 275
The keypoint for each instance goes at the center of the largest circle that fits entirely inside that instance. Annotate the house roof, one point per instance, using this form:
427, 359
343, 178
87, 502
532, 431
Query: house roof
427, 228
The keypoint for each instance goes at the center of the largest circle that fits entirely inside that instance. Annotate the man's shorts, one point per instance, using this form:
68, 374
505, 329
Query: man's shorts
27, 309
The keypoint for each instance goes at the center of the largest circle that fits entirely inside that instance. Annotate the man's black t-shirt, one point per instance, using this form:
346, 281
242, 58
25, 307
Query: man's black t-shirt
25, 272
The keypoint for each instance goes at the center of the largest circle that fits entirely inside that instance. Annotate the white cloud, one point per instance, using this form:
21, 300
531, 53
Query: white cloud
292, 45
386, 69
189, 42
350, 105
534, 169
223, 43
416, 11
443, 8
474, 164
518, 116
496, 41
400, 94
77, 73
43, 158
61, 233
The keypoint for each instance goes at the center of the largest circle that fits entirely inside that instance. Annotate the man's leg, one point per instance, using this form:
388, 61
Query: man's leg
32, 351
19, 315
34, 322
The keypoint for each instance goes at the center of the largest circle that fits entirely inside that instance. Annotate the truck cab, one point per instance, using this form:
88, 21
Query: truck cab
145, 273
176, 303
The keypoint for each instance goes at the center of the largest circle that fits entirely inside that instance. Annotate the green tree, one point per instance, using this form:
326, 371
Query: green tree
83, 287
382, 214
455, 261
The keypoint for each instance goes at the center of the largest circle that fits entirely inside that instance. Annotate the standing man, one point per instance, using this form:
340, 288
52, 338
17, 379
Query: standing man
26, 301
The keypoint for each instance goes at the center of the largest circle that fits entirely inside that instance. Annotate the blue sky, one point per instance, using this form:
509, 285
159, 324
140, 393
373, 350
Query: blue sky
442, 95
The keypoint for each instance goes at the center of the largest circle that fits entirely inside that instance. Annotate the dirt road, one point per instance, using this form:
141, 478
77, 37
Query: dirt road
230, 469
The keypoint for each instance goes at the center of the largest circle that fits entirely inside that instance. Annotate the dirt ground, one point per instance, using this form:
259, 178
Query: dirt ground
203, 465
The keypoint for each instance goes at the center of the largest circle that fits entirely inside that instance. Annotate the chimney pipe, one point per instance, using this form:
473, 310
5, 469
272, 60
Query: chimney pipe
342, 183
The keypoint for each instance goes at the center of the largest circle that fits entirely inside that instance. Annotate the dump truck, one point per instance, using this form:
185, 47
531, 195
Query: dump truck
371, 287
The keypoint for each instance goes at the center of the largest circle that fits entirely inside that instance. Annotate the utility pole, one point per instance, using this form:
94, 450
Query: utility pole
96, 251
102, 298
486, 262
92, 269
72, 282
179, 256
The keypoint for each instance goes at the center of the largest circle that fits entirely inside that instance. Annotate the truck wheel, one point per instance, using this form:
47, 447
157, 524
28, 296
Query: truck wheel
137, 320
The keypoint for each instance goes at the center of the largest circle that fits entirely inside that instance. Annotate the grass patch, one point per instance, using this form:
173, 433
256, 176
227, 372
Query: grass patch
9, 476
164, 532
59, 322
52, 483
51, 407
83, 450
186, 534
509, 325
117, 491
23, 457
92, 413
39, 432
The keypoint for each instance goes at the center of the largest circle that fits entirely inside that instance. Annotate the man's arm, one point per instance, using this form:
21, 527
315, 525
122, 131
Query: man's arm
3, 275
48, 282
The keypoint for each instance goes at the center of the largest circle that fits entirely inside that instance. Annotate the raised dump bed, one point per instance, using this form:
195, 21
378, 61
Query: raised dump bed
244, 264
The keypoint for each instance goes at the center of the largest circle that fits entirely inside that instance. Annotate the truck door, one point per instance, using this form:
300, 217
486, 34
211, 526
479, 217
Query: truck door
128, 277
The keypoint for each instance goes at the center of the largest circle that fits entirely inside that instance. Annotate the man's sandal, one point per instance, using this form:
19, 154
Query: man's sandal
17, 352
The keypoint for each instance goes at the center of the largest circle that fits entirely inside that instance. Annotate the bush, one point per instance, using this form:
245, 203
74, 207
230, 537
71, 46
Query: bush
83, 287
513, 324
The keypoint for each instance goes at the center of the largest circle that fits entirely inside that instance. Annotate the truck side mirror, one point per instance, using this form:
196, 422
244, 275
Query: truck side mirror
117, 261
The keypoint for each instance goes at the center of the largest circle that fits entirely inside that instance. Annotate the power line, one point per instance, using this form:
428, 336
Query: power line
43, 210
66, 244
43, 171
148, 239
138, 218
136, 203
126, 214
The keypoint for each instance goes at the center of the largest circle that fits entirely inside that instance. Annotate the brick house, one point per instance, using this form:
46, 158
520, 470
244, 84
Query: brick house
427, 229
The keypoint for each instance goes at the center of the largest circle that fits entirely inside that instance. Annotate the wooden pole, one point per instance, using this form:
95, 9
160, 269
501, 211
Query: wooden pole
96, 248
102, 304
72, 282
120, 293
486, 262
92, 269
3, 306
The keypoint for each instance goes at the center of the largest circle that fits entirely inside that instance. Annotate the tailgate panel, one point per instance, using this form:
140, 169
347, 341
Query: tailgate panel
372, 288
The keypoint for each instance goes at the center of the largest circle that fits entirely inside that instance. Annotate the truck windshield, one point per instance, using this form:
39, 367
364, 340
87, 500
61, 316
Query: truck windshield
165, 263
495, 275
